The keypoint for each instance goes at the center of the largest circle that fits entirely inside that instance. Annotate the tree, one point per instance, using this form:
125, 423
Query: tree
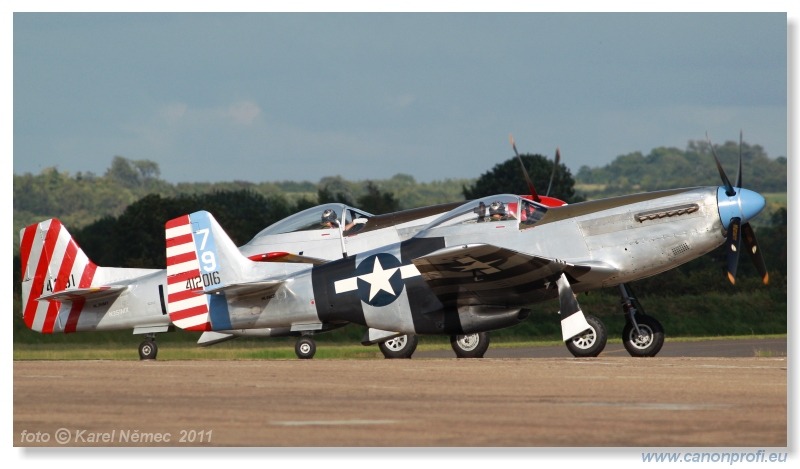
508, 178
132, 173
377, 202
334, 189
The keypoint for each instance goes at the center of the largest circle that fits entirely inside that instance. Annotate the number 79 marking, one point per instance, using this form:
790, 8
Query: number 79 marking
206, 257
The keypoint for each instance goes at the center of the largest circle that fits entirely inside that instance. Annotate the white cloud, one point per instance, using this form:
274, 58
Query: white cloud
243, 112
402, 101
174, 111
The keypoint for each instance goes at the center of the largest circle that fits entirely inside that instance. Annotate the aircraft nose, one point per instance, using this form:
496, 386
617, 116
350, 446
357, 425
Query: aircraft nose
745, 204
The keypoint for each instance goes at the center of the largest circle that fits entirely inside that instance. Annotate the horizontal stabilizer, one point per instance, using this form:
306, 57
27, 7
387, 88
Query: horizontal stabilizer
93, 293
210, 338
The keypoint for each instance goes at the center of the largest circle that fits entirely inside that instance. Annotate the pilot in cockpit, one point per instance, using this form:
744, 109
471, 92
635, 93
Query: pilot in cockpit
481, 211
329, 219
498, 212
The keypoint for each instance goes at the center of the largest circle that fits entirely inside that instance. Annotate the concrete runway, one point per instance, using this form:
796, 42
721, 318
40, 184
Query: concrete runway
609, 401
775, 347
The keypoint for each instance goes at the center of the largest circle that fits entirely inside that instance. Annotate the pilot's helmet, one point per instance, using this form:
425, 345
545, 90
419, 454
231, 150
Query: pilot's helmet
329, 216
497, 208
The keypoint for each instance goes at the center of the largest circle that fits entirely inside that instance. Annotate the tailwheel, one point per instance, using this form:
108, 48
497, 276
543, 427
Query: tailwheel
591, 342
305, 348
148, 349
470, 345
647, 341
399, 347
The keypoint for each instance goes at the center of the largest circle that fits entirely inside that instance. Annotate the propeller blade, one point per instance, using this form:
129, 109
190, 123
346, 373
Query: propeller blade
755, 252
524, 171
553, 174
739, 174
729, 191
733, 242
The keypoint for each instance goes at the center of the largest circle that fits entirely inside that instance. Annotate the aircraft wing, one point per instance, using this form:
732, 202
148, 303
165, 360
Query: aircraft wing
486, 274
74, 294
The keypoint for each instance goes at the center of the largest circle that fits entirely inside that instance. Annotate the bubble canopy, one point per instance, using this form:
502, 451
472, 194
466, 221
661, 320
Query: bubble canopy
310, 219
495, 208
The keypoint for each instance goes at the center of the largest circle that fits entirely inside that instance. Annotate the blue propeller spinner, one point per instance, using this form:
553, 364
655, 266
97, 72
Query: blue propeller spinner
736, 207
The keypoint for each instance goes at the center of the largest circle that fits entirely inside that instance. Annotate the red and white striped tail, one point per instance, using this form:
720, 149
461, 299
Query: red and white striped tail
186, 304
52, 261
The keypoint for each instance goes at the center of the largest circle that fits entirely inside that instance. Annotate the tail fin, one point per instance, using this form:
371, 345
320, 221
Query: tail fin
51, 262
205, 269
197, 250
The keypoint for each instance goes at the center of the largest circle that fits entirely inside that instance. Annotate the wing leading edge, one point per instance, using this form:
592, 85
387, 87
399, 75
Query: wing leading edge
482, 273
487, 274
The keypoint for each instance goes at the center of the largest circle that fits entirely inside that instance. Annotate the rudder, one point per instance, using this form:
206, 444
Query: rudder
51, 261
187, 304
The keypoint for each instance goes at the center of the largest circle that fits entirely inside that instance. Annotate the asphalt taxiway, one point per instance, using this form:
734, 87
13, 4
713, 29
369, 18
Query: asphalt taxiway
609, 401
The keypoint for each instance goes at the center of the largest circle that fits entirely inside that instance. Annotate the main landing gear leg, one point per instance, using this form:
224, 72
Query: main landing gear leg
148, 349
305, 347
584, 335
643, 335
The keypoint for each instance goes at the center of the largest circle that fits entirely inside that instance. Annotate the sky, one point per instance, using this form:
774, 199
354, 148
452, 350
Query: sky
261, 97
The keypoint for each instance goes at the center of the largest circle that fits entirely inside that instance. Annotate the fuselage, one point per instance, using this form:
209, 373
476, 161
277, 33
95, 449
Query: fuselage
609, 241
142, 304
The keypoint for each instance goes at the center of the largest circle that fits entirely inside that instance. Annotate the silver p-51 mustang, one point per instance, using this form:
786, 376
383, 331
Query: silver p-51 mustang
472, 270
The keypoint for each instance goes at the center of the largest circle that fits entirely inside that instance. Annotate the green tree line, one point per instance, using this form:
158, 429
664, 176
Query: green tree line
665, 168
84, 198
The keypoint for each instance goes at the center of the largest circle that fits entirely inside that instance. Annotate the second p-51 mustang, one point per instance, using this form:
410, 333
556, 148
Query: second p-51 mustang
472, 270
63, 291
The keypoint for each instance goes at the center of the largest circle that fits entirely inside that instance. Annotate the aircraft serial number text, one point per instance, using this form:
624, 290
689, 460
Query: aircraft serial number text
205, 280
70, 283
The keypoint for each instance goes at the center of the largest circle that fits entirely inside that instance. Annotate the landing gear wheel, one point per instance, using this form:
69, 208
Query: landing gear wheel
399, 347
305, 348
148, 350
470, 345
591, 342
650, 340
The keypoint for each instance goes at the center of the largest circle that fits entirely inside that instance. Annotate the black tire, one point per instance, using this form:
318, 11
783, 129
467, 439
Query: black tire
305, 348
470, 345
649, 343
399, 347
591, 342
148, 350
